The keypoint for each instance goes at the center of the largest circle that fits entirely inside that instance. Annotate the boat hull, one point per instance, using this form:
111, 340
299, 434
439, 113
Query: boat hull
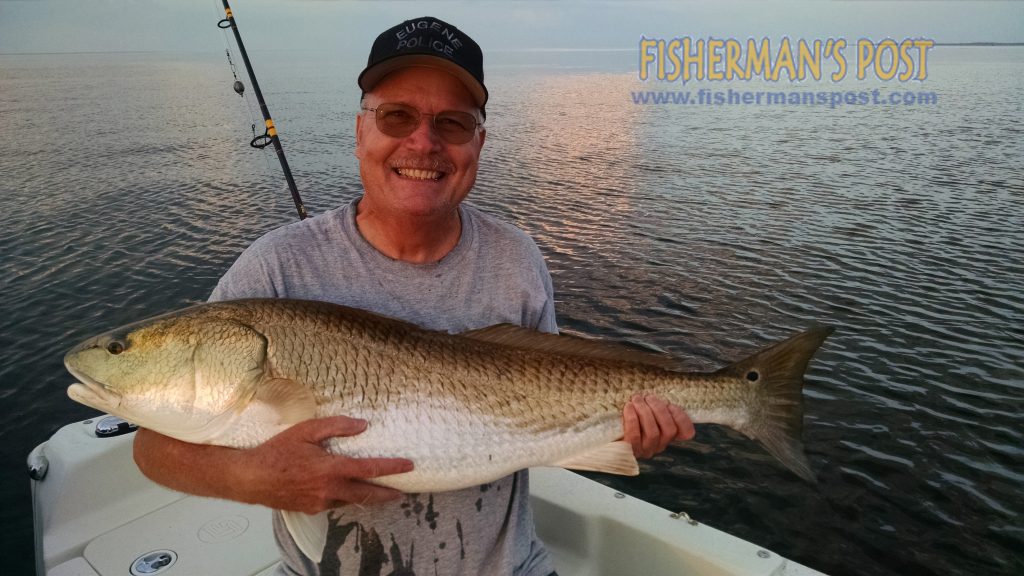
95, 514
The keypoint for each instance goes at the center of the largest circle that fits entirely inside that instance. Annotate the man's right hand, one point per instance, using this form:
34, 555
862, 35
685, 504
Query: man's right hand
291, 471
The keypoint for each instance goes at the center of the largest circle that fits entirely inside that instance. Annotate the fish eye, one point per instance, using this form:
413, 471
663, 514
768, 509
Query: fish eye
115, 347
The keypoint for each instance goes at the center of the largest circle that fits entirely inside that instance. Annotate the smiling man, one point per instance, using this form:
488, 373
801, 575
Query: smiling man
418, 140
411, 249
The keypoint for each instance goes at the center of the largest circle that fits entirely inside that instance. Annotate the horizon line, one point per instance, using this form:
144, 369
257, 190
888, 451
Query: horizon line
980, 43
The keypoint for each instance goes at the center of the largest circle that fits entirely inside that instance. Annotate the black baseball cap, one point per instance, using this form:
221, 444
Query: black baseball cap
427, 41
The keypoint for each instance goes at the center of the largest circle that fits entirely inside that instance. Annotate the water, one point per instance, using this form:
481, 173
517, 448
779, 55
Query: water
127, 189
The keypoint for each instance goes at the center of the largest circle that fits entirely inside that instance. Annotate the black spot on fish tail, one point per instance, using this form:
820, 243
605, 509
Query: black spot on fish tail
776, 374
479, 504
485, 487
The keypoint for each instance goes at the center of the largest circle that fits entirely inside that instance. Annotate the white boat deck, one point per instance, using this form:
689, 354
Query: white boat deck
95, 514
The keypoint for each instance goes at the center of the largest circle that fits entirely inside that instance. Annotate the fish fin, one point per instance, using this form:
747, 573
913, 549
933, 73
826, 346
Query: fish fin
282, 402
614, 458
290, 401
528, 339
176, 426
777, 421
309, 532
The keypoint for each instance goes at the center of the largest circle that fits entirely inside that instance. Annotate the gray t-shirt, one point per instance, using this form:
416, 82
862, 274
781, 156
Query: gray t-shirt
494, 274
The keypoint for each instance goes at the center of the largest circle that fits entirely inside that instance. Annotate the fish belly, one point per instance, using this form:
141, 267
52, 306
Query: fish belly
452, 448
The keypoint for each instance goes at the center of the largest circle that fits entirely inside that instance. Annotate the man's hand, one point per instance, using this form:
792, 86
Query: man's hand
650, 423
291, 471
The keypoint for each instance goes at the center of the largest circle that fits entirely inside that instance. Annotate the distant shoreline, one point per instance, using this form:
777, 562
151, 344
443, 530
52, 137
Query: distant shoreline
982, 44
979, 43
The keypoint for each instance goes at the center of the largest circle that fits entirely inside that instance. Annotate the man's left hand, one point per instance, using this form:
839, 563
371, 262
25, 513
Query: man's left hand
650, 423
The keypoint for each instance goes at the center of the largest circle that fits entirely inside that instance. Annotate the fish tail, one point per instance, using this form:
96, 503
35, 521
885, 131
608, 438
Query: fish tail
776, 417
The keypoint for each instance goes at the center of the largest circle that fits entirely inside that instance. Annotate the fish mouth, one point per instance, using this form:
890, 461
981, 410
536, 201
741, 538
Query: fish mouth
94, 398
90, 391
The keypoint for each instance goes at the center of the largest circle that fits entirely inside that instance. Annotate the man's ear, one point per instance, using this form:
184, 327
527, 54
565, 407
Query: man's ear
483, 136
359, 125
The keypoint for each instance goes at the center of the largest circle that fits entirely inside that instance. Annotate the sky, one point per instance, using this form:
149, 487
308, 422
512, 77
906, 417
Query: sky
49, 26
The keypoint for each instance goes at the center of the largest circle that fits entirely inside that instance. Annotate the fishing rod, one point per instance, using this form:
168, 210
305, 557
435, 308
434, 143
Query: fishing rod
270, 135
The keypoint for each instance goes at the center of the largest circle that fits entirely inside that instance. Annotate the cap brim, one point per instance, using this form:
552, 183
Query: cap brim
374, 74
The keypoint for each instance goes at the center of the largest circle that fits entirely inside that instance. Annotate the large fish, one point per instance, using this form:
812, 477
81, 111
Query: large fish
466, 409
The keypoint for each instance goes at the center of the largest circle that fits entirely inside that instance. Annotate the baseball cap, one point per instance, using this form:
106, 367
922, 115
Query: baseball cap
427, 41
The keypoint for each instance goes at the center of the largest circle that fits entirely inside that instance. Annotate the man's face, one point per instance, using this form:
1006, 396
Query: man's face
419, 174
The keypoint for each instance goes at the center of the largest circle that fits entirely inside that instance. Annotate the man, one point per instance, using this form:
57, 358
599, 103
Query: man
408, 248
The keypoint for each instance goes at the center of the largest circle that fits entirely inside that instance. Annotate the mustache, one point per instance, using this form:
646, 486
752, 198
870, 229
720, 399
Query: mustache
435, 163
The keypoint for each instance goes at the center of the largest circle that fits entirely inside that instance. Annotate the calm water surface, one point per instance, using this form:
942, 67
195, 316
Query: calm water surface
127, 189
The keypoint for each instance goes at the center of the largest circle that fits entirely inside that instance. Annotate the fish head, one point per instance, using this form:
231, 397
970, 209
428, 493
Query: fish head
181, 374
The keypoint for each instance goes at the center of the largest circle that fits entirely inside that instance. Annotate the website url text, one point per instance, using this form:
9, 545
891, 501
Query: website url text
832, 99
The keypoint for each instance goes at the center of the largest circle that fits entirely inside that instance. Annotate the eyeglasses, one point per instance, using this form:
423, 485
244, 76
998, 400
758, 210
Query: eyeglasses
399, 120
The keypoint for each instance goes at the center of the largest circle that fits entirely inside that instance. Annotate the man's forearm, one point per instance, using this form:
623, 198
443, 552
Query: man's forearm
200, 469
